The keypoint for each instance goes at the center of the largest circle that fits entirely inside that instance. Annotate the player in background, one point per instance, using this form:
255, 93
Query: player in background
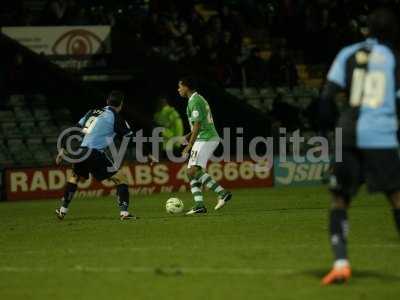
168, 117
368, 73
99, 127
202, 141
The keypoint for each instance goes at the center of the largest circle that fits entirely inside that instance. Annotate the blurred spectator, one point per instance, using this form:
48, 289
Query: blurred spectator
283, 69
230, 21
176, 26
99, 16
54, 12
15, 78
196, 23
256, 69
166, 116
76, 14
246, 50
208, 33
208, 50
79, 18
215, 28
191, 50
228, 50
174, 51
152, 30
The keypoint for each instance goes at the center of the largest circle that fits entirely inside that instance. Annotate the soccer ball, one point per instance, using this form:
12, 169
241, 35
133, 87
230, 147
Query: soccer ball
174, 206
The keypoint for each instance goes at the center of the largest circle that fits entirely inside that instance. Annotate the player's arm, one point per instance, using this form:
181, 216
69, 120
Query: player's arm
327, 105
193, 136
197, 115
185, 139
122, 129
80, 125
336, 82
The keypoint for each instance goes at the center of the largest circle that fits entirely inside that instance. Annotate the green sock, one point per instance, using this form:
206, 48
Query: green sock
205, 179
195, 188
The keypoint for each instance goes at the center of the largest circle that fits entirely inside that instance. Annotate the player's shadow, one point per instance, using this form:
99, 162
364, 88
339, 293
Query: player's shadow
90, 218
358, 274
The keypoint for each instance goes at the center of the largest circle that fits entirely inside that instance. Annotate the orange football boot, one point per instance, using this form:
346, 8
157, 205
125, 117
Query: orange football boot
337, 275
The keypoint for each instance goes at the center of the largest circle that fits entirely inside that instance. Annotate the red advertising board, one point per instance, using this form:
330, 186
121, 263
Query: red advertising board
143, 179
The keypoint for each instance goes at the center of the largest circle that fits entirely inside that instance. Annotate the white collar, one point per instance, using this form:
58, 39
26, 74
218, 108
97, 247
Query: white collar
191, 97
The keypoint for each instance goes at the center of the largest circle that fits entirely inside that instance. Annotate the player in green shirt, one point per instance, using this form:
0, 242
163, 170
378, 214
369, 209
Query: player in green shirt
167, 117
203, 140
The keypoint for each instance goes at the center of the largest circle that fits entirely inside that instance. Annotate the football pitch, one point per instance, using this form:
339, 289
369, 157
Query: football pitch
266, 244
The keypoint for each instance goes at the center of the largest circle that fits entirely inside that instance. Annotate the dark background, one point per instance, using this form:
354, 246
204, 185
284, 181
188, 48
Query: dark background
245, 54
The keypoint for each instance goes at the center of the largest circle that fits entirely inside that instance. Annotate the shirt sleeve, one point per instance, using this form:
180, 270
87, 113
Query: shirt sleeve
82, 121
337, 72
197, 112
121, 127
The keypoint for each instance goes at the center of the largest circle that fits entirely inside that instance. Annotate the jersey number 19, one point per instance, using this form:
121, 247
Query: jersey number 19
367, 88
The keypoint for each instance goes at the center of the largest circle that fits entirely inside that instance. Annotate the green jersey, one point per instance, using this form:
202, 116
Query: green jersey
198, 110
170, 119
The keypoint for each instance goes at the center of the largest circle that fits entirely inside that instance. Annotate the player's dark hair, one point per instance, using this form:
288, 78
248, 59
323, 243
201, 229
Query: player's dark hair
383, 25
115, 98
190, 82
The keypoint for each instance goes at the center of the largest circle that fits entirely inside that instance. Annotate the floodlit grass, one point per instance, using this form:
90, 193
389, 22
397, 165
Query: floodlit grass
266, 244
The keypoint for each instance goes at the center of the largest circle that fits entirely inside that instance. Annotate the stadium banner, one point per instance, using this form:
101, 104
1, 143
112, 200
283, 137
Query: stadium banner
62, 40
143, 179
70, 47
290, 172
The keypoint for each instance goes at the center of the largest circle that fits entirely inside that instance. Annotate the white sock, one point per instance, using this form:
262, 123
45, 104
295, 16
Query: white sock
341, 263
63, 210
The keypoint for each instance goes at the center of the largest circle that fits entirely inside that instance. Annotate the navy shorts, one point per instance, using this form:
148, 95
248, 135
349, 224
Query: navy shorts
98, 164
378, 168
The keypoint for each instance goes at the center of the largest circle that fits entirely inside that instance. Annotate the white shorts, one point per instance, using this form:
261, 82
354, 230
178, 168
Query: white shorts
201, 153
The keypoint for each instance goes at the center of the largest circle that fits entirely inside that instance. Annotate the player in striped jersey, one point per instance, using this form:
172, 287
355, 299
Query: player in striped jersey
203, 140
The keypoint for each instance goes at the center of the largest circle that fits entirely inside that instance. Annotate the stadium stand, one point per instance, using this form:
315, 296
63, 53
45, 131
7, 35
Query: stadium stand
29, 131
262, 52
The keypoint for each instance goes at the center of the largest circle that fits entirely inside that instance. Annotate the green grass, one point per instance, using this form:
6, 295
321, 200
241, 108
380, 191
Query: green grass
267, 244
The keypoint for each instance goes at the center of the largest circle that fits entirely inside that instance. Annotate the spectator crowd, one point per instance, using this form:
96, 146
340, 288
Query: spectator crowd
235, 40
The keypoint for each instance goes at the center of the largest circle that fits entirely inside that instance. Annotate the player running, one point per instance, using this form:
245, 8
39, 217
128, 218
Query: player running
368, 73
203, 140
99, 127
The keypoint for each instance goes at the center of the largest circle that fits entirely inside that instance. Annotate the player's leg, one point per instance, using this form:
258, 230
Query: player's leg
102, 168
121, 183
196, 190
383, 175
78, 171
344, 183
203, 155
338, 231
199, 156
205, 179
394, 198
69, 192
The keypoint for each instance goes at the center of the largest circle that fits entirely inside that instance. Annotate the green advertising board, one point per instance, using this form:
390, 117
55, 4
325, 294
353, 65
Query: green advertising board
289, 172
